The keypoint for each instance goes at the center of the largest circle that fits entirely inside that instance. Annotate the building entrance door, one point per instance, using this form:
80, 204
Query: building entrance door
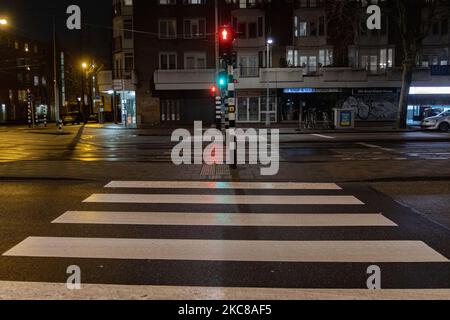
248, 109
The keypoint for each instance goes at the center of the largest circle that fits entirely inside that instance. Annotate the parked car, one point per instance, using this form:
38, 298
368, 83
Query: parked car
73, 118
440, 122
93, 118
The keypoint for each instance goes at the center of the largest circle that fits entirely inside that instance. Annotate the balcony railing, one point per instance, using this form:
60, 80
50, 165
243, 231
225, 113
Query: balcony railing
192, 79
260, 78
249, 72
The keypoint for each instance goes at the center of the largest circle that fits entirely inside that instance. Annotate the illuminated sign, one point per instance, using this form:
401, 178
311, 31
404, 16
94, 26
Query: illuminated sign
312, 90
429, 90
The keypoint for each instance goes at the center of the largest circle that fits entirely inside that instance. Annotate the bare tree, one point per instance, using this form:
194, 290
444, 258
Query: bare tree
414, 19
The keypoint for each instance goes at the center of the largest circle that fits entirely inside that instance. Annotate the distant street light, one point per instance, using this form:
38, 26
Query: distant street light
84, 65
3, 21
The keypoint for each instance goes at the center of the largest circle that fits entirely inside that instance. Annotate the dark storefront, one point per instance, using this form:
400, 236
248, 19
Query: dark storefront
187, 107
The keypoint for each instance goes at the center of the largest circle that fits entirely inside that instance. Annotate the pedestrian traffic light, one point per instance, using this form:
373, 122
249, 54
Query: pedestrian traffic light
222, 81
226, 37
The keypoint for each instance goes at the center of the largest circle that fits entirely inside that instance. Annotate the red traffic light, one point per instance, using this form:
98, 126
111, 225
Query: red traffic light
226, 34
213, 90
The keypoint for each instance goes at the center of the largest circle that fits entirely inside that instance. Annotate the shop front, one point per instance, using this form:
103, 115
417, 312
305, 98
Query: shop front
306, 105
252, 107
425, 102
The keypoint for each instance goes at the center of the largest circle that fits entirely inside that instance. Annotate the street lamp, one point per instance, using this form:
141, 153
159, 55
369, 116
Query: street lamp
269, 43
3, 22
84, 67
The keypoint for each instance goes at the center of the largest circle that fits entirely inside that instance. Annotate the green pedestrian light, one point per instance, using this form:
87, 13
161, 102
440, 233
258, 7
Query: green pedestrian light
223, 80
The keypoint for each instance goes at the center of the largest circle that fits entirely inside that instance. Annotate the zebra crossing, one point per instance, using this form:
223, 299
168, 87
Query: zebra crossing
235, 228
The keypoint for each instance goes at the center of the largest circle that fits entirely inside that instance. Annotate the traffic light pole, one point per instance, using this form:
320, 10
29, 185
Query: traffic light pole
232, 111
226, 36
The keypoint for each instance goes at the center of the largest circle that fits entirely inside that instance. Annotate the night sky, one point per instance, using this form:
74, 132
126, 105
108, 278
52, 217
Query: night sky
33, 18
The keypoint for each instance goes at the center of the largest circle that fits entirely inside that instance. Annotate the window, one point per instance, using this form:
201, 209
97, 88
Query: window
129, 61
128, 29
194, 28
300, 27
252, 30
312, 65
303, 29
260, 27
194, 1
292, 58
313, 29
168, 61
170, 110
386, 58
168, 29
321, 26
167, 2
22, 95
195, 60
249, 66
242, 30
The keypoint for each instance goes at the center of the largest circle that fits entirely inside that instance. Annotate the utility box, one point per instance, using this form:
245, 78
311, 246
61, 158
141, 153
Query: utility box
344, 118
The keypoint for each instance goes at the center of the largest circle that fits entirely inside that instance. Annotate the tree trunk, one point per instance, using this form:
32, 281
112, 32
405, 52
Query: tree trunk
403, 103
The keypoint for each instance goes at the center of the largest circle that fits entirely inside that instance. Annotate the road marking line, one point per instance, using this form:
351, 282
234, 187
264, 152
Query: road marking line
230, 250
224, 219
222, 199
375, 147
221, 185
323, 136
58, 291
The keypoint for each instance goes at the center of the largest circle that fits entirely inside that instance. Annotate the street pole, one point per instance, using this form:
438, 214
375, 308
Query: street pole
219, 95
216, 37
55, 79
268, 85
114, 107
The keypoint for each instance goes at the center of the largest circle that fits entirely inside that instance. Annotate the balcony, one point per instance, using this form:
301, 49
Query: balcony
282, 78
198, 79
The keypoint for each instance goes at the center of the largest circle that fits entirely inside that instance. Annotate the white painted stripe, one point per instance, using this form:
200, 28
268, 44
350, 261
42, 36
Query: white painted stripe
323, 136
375, 147
233, 250
222, 185
224, 219
223, 199
58, 291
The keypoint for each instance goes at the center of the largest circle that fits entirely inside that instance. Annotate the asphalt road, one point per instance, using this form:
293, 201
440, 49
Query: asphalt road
223, 241
94, 143
29, 208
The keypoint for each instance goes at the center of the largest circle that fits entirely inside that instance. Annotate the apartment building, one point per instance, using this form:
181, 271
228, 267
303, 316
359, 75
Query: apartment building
317, 59
25, 69
123, 74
